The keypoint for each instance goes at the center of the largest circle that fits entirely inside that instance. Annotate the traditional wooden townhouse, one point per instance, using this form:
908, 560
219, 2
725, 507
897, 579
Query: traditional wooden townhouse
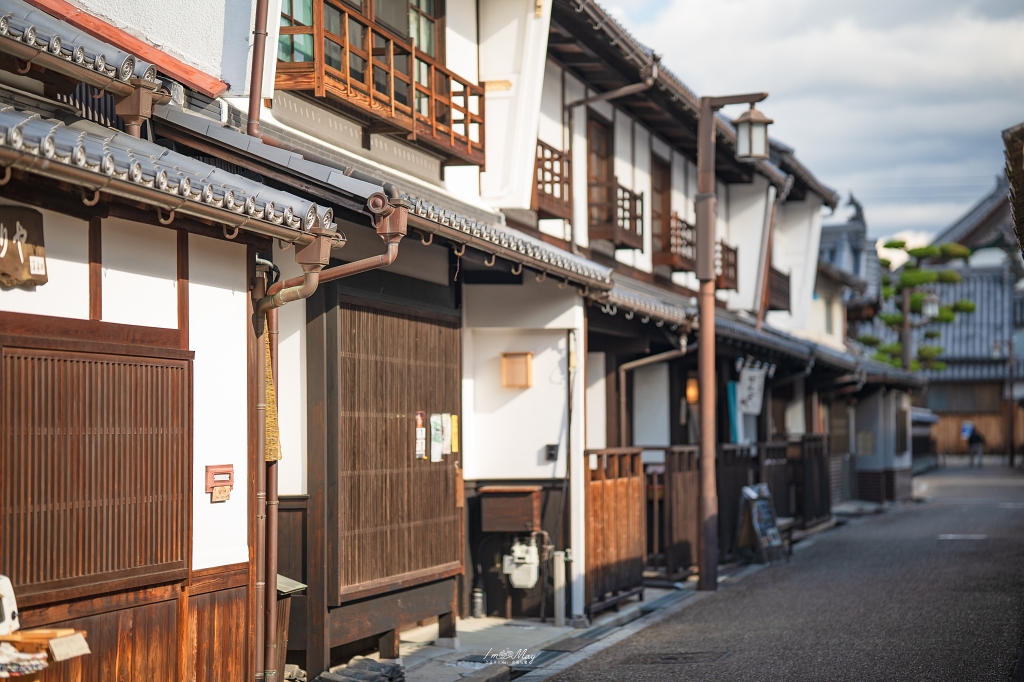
612, 177
135, 446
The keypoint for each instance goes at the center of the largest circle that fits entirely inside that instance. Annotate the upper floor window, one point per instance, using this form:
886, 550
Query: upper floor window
384, 58
614, 212
829, 326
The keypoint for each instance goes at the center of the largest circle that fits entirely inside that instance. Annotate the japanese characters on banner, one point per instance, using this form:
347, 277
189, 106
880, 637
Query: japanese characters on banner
750, 390
443, 435
22, 252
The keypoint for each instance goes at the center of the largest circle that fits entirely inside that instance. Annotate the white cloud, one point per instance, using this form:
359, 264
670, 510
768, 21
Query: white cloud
898, 101
898, 256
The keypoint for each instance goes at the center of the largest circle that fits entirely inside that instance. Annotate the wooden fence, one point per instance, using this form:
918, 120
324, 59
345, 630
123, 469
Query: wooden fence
736, 467
811, 478
775, 471
673, 511
615, 527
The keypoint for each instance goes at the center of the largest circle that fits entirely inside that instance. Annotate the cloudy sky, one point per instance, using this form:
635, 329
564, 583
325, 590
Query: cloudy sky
901, 101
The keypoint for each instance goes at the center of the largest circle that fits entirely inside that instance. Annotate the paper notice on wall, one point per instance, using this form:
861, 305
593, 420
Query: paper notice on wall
435, 438
455, 433
421, 435
446, 433
69, 646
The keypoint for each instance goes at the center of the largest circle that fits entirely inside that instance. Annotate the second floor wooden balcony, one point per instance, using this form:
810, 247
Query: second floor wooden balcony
778, 290
552, 183
677, 247
726, 267
616, 214
383, 77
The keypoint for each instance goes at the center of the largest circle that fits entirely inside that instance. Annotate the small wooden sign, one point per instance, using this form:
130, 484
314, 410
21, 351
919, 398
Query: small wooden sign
221, 493
22, 250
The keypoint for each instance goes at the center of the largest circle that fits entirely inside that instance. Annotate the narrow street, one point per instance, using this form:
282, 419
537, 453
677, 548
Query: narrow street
883, 598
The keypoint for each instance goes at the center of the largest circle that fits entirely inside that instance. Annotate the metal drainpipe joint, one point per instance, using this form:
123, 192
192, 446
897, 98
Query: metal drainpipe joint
312, 258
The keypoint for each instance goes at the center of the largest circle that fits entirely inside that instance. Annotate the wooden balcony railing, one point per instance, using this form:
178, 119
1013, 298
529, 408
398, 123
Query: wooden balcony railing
678, 248
778, 290
384, 77
726, 267
616, 214
552, 183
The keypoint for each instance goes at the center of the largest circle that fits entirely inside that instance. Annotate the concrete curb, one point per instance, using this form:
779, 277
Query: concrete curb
636, 626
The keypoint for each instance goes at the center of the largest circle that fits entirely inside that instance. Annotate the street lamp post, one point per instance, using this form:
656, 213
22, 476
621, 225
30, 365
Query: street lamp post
753, 142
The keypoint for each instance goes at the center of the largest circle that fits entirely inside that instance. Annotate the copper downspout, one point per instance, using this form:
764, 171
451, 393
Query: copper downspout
270, 647
391, 223
259, 51
261, 488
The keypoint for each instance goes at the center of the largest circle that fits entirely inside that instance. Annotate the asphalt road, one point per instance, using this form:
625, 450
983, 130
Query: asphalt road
878, 599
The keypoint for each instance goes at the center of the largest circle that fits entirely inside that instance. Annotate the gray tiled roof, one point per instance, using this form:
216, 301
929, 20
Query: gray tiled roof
455, 224
99, 158
987, 221
24, 23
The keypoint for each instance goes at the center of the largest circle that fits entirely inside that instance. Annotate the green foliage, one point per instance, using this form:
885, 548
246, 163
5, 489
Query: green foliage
964, 306
932, 334
916, 301
895, 244
954, 250
929, 353
891, 349
882, 357
885, 263
888, 292
891, 319
886, 280
937, 365
912, 277
869, 340
946, 314
949, 277
925, 252
915, 366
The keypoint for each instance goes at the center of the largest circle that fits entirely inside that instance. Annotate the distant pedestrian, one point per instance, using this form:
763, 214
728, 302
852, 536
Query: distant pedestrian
977, 443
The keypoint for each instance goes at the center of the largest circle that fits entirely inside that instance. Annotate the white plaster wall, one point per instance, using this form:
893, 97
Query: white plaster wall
462, 57
746, 226
213, 36
816, 329
869, 418
575, 91
530, 305
509, 316
139, 274
597, 402
796, 417
291, 379
513, 48
795, 250
511, 426
217, 334
651, 413
66, 292
551, 128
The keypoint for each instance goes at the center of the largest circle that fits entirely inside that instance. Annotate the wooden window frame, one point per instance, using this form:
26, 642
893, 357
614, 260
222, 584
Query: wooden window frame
44, 334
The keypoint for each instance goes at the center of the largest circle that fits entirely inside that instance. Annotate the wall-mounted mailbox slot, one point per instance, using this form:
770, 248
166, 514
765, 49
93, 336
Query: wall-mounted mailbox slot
220, 478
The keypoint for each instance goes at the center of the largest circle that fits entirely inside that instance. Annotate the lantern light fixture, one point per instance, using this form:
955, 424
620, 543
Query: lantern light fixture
930, 305
752, 135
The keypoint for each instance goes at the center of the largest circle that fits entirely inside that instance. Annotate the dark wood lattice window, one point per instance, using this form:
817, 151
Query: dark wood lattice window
95, 461
397, 515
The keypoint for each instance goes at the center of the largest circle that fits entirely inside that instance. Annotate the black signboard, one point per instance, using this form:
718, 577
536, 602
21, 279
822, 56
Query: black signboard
758, 530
